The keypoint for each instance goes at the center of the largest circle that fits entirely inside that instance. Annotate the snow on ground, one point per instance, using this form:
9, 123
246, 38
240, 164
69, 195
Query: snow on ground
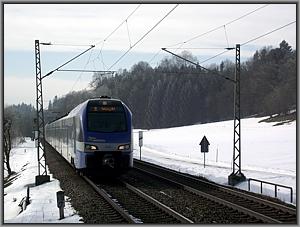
43, 205
268, 152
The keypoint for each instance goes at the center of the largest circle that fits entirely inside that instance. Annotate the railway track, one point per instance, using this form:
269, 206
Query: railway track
133, 199
116, 207
119, 203
93, 207
260, 209
135, 204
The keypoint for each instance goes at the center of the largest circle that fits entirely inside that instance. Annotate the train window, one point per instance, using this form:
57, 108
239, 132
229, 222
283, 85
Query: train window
108, 118
107, 122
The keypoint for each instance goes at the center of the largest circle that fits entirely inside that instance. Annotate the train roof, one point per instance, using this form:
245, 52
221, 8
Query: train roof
82, 106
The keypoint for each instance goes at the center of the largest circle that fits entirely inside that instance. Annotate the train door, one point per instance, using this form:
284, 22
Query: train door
61, 138
55, 137
74, 134
67, 142
73, 141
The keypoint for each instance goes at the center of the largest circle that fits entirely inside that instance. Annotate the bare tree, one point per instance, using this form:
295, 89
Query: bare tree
7, 144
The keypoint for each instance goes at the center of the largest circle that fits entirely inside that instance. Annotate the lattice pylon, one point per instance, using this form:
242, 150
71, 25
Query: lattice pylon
237, 174
42, 170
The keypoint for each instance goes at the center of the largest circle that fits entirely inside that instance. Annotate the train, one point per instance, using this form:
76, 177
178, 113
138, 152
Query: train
96, 137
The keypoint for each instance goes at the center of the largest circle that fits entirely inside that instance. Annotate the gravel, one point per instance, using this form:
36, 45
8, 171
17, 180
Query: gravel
89, 205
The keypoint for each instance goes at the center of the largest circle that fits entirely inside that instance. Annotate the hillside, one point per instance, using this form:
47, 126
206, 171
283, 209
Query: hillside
175, 93
268, 151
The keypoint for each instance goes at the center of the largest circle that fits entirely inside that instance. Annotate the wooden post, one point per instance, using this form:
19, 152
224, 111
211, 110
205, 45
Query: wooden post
60, 195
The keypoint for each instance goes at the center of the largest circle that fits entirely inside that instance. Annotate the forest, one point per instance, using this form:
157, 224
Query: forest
176, 93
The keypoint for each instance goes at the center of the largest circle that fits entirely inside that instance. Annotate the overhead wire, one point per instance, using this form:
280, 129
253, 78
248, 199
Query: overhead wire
79, 77
212, 30
217, 55
202, 48
143, 36
65, 44
72, 59
120, 24
251, 40
154, 56
110, 34
226, 36
128, 34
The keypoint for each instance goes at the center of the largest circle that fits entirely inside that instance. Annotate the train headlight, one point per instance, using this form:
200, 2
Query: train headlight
124, 147
89, 147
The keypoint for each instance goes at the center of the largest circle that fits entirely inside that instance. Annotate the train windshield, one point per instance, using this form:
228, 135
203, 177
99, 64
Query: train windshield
106, 116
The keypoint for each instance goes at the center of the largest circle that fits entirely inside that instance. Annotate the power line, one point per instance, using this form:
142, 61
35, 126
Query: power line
154, 56
128, 33
251, 40
65, 44
107, 37
120, 24
143, 36
247, 14
212, 30
226, 36
78, 78
221, 26
217, 55
87, 70
199, 66
48, 74
203, 48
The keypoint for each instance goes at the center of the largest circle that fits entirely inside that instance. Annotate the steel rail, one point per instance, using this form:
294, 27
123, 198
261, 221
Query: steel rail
158, 204
216, 199
104, 195
289, 210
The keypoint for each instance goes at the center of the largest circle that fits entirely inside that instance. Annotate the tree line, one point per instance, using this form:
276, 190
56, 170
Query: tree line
176, 93
17, 124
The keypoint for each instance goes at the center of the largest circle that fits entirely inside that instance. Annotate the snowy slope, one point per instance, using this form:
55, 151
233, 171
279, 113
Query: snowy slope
268, 152
43, 206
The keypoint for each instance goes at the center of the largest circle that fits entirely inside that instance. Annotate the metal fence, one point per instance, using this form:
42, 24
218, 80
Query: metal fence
275, 187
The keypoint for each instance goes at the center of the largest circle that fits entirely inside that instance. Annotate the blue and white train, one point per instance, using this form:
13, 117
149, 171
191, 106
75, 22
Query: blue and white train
95, 137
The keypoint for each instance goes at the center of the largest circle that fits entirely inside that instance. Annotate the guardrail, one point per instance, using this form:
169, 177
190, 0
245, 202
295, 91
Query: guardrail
275, 185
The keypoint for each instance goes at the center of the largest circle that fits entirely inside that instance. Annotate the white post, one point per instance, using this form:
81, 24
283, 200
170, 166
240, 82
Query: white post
140, 143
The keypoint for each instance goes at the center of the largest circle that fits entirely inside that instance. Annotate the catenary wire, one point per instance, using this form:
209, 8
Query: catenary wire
143, 36
128, 34
212, 30
221, 26
78, 78
251, 40
107, 37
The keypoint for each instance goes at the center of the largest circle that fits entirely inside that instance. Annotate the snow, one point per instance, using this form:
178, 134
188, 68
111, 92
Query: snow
268, 154
43, 205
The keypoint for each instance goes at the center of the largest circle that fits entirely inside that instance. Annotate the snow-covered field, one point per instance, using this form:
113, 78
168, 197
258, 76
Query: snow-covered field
43, 205
268, 153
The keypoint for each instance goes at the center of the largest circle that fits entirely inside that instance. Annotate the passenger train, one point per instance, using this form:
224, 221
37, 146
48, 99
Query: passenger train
95, 137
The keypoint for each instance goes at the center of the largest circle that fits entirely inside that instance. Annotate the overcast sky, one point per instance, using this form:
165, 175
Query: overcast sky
91, 24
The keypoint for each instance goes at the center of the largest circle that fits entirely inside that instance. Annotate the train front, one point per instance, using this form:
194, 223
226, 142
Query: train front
108, 137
